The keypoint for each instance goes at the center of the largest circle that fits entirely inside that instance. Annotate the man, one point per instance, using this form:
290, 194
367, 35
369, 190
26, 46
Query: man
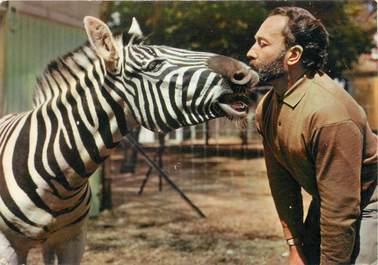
315, 137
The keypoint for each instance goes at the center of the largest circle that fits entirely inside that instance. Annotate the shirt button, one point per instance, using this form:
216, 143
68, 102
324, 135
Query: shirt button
279, 123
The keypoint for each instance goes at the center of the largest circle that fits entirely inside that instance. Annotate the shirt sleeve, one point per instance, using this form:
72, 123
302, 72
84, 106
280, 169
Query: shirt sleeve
286, 193
338, 157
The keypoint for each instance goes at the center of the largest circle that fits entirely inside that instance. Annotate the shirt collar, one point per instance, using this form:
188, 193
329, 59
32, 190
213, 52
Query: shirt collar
296, 92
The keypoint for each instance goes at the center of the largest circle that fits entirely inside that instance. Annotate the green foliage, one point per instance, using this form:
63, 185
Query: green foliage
228, 27
221, 27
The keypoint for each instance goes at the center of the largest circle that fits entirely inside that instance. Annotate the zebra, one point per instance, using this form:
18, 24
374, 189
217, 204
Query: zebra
84, 103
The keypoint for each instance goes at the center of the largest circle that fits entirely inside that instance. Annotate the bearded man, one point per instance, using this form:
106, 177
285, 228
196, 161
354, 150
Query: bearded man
315, 137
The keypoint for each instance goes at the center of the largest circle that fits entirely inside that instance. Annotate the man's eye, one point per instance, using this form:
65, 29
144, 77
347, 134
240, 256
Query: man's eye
154, 65
262, 44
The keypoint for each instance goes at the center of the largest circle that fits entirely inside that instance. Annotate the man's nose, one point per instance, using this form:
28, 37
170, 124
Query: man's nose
251, 54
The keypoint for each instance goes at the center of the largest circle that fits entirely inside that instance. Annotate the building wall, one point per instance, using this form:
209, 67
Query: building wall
365, 91
32, 34
30, 44
64, 12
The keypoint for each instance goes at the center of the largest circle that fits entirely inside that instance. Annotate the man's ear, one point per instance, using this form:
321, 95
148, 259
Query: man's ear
101, 39
295, 54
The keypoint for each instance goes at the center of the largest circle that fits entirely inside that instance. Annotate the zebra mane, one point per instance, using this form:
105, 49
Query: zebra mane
42, 91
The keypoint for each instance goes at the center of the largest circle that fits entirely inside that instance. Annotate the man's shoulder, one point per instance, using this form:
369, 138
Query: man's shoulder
330, 103
323, 85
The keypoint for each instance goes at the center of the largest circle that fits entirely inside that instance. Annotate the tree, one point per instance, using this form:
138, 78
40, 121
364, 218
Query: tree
219, 27
228, 27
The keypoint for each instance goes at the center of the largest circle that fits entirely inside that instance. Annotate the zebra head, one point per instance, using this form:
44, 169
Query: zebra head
166, 88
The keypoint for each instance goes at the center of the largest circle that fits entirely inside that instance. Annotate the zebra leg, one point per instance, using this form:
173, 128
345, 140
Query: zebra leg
72, 251
49, 255
10, 254
68, 252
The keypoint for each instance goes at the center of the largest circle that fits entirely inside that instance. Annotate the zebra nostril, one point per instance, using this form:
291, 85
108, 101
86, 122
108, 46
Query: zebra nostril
239, 76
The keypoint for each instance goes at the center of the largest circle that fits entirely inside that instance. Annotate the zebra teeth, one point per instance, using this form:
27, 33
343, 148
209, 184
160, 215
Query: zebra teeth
235, 105
234, 110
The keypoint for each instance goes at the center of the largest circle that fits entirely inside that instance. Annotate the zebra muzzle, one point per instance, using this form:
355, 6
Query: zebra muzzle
237, 72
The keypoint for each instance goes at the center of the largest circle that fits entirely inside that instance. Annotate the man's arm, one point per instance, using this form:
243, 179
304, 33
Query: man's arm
337, 151
285, 191
287, 197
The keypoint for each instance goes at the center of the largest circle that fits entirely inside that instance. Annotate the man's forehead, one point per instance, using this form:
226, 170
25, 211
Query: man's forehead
272, 27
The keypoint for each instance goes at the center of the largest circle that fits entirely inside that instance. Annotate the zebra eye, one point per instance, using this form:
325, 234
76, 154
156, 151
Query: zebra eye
154, 65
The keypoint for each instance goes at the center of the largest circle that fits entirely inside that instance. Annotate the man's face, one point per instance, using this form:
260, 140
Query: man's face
267, 55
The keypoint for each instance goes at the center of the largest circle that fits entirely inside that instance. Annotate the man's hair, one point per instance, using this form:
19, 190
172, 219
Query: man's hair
307, 31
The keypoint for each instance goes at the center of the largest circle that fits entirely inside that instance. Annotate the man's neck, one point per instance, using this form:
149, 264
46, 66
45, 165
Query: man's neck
284, 83
280, 85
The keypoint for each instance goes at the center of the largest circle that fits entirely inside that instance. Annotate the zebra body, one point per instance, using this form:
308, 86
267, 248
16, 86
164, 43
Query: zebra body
85, 103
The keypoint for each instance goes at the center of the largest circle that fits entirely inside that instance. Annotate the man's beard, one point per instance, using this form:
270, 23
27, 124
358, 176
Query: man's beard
270, 71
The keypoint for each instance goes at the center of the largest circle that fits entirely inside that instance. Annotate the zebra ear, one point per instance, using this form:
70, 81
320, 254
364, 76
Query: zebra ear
135, 31
101, 39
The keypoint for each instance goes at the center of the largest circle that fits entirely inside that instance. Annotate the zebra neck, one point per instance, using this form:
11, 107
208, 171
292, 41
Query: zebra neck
83, 119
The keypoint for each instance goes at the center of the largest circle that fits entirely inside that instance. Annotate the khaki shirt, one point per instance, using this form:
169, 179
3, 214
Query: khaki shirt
317, 137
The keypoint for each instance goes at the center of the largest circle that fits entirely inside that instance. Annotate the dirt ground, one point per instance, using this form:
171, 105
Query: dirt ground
158, 228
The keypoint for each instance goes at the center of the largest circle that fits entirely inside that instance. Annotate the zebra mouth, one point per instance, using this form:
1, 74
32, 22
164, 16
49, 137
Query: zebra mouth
234, 105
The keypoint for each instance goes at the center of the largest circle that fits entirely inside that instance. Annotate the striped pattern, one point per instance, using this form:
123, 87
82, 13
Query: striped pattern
175, 93
80, 113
